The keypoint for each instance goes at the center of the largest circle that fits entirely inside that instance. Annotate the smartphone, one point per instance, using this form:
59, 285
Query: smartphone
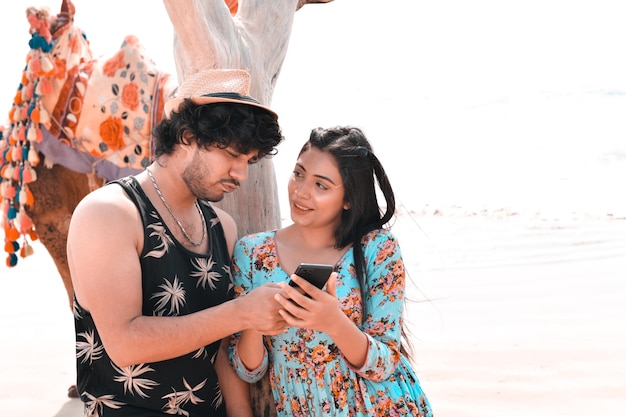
316, 274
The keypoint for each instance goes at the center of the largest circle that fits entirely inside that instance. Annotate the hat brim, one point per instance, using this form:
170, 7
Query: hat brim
174, 103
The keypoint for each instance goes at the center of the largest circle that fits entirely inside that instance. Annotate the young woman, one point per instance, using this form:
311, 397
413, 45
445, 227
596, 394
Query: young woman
343, 352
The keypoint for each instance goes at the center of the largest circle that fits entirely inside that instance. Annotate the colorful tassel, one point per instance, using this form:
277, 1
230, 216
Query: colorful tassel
28, 175
27, 93
26, 196
8, 172
17, 173
11, 260
9, 190
11, 247
24, 113
44, 116
11, 233
15, 135
34, 115
33, 157
34, 66
16, 154
31, 135
47, 67
24, 222
26, 250
19, 97
11, 212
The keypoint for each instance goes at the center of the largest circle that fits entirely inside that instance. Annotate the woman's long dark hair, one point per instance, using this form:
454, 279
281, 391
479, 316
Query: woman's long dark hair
360, 169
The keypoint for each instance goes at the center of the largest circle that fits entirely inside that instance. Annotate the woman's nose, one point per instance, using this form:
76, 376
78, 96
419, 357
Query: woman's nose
303, 189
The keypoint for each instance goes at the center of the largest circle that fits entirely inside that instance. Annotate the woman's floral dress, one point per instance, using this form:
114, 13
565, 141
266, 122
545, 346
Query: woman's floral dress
308, 374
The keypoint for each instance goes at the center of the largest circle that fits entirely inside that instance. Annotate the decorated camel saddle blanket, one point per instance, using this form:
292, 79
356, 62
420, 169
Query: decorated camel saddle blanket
91, 115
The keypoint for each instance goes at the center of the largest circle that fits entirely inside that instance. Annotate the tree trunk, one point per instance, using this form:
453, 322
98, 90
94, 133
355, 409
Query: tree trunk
206, 36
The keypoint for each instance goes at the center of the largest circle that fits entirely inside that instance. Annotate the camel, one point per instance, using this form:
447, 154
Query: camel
87, 121
51, 157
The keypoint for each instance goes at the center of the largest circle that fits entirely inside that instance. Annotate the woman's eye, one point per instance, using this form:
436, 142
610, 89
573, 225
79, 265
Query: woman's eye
321, 186
297, 174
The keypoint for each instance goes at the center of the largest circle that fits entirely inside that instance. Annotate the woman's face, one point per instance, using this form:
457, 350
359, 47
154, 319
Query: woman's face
316, 192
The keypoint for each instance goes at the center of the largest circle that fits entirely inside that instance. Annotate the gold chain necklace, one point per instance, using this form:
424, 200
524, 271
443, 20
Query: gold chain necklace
180, 225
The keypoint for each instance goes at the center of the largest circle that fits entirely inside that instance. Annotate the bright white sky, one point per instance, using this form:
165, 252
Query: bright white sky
457, 96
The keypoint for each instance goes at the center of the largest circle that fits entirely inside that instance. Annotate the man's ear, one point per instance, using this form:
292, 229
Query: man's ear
188, 137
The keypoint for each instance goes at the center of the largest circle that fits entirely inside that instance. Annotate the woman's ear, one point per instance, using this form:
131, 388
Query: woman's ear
346, 206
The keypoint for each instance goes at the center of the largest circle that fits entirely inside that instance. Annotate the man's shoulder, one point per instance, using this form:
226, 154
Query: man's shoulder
107, 199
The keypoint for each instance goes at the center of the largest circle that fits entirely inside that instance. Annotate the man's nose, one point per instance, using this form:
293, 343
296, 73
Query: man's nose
239, 170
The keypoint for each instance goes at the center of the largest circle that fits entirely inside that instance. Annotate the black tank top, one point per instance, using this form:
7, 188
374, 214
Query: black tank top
175, 282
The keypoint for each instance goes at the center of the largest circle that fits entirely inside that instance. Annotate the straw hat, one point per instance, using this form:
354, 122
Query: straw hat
215, 86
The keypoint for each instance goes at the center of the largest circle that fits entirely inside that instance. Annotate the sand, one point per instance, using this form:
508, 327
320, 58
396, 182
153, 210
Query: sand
525, 317
510, 317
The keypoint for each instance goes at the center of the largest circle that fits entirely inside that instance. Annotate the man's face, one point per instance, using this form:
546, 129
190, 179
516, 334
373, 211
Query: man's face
214, 172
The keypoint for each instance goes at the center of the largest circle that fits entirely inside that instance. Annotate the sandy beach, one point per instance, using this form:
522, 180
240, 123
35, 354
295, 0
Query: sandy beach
509, 316
524, 317
502, 131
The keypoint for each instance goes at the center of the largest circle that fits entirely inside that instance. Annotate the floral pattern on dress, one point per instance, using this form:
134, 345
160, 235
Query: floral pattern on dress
308, 374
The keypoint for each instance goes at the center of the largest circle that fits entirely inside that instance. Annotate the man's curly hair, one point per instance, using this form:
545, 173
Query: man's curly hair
243, 127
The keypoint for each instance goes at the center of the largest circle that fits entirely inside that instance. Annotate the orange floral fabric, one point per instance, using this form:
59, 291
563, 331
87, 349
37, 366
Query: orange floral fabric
119, 96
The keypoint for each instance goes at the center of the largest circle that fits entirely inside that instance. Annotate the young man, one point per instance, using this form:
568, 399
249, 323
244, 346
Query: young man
150, 262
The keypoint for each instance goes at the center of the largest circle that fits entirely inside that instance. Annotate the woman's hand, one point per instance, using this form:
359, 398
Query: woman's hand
320, 312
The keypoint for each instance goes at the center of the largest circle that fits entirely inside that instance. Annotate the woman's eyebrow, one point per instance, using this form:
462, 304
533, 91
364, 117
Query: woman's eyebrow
325, 178
316, 175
